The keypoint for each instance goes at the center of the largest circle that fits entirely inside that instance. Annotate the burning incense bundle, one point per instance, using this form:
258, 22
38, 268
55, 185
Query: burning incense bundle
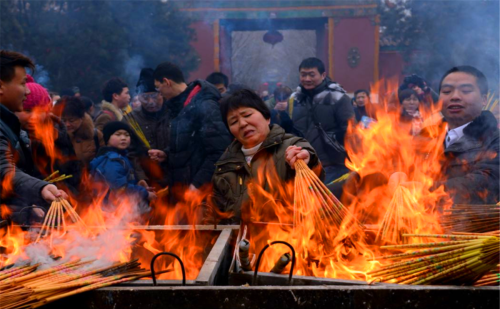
54, 220
137, 129
471, 218
460, 260
317, 212
492, 103
54, 178
399, 218
29, 287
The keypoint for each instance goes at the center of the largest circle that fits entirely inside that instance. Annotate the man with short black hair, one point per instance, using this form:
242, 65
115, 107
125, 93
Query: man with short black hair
322, 111
116, 98
219, 80
19, 189
198, 137
471, 167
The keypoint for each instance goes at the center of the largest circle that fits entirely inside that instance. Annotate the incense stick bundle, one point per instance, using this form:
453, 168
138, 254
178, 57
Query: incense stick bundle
399, 217
137, 129
315, 205
40, 287
55, 221
460, 260
471, 218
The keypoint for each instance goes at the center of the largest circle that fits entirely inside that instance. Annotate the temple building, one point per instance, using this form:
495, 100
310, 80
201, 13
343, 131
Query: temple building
261, 43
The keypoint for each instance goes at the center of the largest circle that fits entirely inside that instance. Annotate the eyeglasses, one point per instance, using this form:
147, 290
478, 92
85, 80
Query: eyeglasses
145, 97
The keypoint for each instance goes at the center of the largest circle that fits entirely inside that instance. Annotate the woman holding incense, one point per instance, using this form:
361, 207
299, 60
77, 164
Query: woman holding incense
410, 118
261, 157
86, 139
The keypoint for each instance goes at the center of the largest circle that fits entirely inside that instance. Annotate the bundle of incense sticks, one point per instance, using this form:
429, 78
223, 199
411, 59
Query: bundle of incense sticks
491, 278
137, 129
461, 259
313, 202
491, 102
399, 217
55, 219
55, 178
471, 218
29, 286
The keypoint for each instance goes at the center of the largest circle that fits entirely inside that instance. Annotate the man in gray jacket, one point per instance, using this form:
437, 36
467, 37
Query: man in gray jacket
19, 189
321, 112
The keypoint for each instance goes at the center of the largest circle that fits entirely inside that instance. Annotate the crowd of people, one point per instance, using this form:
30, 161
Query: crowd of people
189, 135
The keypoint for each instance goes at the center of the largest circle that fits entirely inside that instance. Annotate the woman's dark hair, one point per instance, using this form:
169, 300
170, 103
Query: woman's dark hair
404, 94
243, 98
88, 103
69, 106
282, 93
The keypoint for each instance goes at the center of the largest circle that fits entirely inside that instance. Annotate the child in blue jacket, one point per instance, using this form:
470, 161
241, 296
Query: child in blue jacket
113, 167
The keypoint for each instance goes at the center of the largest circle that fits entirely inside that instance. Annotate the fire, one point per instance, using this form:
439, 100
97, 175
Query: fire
394, 189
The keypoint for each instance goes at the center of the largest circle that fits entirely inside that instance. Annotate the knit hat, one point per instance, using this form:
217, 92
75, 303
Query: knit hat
38, 97
111, 127
146, 81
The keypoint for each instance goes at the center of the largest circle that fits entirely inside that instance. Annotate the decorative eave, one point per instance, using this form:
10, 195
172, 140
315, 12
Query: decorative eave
257, 9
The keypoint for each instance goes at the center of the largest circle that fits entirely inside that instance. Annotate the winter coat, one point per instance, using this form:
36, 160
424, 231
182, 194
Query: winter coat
156, 129
198, 137
108, 113
471, 166
232, 173
84, 140
333, 110
114, 168
19, 189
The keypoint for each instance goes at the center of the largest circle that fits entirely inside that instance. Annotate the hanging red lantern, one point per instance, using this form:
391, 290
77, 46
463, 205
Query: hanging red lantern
273, 37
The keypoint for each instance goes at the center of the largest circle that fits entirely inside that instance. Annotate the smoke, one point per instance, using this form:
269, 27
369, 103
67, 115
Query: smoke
132, 67
41, 76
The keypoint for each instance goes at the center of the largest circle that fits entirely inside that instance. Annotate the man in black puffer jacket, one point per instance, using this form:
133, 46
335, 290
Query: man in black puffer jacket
320, 104
198, 136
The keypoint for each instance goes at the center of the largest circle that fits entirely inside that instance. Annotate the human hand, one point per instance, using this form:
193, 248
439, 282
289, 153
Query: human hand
157, 155
51, 193
152, 195
294, 153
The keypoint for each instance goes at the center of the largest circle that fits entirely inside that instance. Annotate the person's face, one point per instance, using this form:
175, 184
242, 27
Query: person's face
123, 98
72, 123
248, 126
30, 118
311, 78
13, 93
462, 99
151, 101
361, 99
120, 139
410, 104
222, 89
135, 102
25, 119
165, 87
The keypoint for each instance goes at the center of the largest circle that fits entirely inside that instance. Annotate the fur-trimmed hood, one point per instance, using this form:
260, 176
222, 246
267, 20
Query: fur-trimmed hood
106, 106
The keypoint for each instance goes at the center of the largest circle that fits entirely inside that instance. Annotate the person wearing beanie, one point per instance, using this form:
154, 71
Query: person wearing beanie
85, 138
113, 168
153, 120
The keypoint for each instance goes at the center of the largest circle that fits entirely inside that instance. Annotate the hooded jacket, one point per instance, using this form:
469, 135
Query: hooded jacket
332, 108
19, 189
108, 113
113, 167
84, 142
198, 136
232, 173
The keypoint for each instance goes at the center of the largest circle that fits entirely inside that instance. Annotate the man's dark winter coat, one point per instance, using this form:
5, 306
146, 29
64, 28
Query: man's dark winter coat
198, 137
333, 110
16, 166
471, 167
156, 129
